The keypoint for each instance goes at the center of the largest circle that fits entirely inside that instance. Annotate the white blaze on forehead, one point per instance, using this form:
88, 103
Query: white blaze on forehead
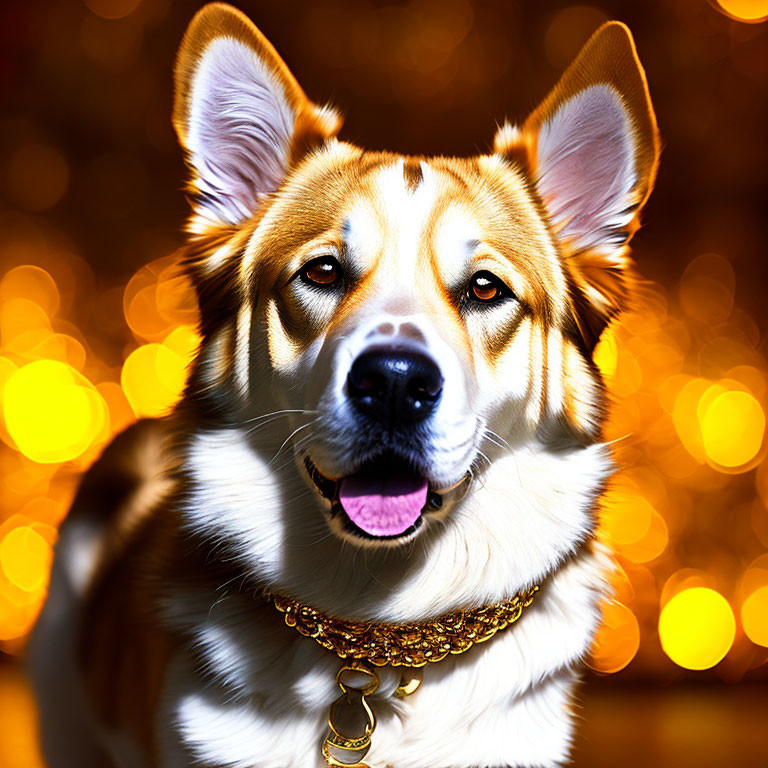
406, 213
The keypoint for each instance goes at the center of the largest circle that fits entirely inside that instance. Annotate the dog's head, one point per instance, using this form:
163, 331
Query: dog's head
417, 331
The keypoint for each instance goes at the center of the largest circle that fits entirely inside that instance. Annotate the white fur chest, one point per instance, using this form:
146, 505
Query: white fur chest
253, 694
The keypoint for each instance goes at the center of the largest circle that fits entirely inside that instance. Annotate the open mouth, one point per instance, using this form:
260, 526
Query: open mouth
385, 499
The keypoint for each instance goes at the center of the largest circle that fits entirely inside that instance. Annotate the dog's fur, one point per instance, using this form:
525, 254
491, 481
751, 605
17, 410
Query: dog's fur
156, 645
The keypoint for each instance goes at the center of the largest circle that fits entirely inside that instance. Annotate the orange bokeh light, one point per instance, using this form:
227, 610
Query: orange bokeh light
31, 282
617, 640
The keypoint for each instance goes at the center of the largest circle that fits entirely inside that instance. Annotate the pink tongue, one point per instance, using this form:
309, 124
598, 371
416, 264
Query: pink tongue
383, 506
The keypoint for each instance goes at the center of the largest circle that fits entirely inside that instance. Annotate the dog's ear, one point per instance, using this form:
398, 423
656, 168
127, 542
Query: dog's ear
591, 151
240, 116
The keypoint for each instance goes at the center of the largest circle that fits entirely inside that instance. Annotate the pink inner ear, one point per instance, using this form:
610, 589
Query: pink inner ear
586, 167
239, 130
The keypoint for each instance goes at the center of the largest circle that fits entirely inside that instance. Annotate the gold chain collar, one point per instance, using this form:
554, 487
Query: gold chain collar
403, 645
350, 718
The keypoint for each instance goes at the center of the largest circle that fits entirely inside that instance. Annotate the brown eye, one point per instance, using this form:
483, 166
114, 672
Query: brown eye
485, 287
324, 271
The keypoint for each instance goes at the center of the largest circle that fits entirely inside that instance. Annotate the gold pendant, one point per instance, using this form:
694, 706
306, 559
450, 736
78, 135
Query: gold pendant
350, 718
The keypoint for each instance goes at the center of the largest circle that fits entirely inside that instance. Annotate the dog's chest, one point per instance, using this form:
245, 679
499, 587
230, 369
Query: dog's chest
251, 692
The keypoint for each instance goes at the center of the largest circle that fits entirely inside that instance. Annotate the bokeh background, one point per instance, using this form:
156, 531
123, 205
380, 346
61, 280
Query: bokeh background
97, 325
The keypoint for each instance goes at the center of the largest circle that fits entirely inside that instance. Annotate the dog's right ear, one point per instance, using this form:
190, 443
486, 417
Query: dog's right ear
240, 116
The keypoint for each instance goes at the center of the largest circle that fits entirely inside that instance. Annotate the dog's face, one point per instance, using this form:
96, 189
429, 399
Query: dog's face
411, 316
405, 325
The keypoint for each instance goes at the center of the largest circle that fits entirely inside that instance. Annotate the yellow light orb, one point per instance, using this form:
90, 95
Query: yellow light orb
25, 558
745, 10
732, 428
754, 616
697, 628
52, 412
153, 378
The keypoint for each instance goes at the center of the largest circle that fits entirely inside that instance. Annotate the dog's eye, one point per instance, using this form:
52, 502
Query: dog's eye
323, 271
486, 288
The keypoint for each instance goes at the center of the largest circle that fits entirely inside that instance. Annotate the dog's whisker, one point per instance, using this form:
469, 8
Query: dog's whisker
288, 439
237, 577
270, 419
289, 456
257, 428
283, 412
496, 438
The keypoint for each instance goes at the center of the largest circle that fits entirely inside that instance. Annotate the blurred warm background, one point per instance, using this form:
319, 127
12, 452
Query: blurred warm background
97, 324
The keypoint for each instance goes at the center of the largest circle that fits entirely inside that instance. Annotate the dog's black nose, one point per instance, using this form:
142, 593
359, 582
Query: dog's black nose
394, 387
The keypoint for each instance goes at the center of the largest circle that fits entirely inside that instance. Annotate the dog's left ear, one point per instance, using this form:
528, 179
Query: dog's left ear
240, 115
591, 150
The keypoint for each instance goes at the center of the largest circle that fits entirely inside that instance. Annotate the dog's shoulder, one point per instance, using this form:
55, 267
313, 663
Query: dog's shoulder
96, 653
119, 541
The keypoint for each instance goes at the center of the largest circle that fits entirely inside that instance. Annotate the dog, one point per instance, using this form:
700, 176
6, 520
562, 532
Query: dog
393, 421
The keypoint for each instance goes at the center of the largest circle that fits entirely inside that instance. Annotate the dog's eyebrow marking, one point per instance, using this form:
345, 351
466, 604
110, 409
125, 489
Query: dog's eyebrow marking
412, 173
242, 349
